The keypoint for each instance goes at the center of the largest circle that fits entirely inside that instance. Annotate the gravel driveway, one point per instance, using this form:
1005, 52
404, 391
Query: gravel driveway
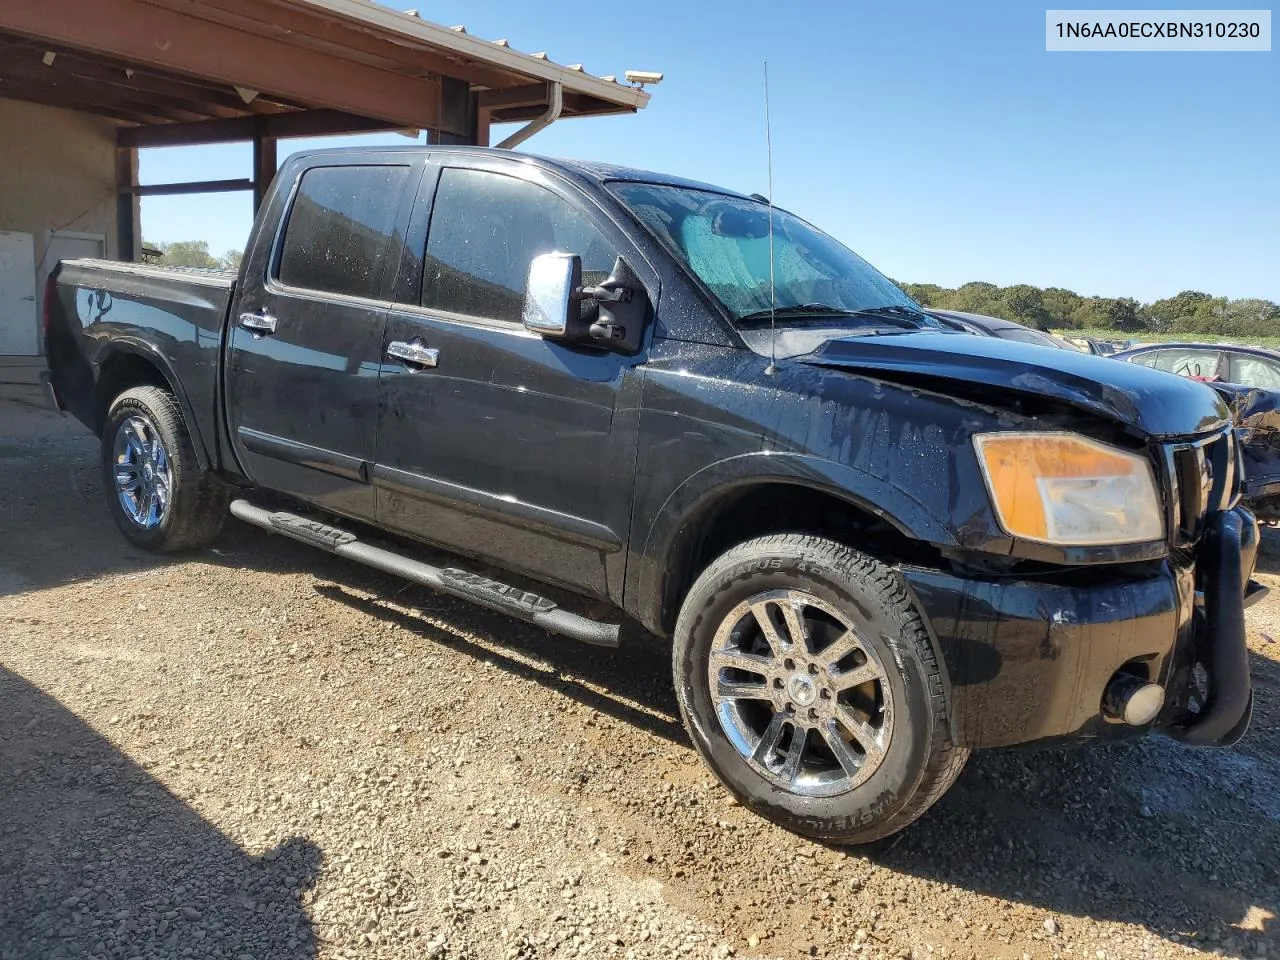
263, 751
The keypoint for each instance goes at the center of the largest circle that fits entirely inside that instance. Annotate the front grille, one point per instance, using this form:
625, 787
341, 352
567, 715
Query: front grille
1203, 476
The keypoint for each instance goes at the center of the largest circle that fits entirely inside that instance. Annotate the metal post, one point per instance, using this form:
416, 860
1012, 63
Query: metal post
265, 164
127, 204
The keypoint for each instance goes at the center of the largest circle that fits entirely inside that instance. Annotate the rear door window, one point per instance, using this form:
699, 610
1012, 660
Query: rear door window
1253, 371
486, 228
1190, 362
340, 229
1147, 359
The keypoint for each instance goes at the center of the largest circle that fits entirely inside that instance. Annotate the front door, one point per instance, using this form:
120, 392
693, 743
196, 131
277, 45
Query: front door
494, 441
307, 331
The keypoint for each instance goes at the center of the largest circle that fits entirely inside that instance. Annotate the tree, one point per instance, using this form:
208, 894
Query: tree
925, 294
1025, 304
1061, 304
186, 253
977, 296
231, 260
1173, 313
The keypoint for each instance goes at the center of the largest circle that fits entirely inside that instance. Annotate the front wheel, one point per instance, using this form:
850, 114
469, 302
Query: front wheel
158, 496
808, 683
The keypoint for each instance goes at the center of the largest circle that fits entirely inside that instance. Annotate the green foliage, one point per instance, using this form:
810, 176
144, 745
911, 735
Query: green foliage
194, 253
1189, 313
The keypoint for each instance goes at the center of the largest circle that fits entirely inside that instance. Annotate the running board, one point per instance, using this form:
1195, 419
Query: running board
493, 594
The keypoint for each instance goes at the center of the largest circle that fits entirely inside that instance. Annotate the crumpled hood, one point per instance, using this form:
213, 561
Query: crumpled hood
1156, 403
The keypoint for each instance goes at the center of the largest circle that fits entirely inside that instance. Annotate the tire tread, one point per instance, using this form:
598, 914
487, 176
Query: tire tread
946, 760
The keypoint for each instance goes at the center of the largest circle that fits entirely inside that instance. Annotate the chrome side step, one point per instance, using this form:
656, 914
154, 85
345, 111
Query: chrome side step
493, 594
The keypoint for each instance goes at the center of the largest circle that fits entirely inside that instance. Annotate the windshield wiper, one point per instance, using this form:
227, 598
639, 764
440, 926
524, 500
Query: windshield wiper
793, 310
894, 315
896, 310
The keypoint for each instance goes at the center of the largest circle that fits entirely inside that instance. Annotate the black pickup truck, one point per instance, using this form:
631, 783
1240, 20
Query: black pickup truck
875, 545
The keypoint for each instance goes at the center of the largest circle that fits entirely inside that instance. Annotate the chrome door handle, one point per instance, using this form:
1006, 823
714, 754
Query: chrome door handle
260, 324
414, 354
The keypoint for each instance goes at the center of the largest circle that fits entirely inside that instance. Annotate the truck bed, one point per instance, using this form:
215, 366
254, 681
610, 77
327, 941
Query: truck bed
103, 312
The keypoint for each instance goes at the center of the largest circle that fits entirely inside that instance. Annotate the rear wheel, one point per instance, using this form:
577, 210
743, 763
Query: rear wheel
158, 495
809, 685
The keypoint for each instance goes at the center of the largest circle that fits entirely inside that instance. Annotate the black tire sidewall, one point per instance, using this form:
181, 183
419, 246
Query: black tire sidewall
127, 405
845, 816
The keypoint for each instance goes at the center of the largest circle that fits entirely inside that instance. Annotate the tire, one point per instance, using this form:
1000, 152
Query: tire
852, 608
190, 504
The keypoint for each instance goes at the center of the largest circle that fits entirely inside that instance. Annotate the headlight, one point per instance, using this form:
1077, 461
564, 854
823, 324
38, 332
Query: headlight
1069, 490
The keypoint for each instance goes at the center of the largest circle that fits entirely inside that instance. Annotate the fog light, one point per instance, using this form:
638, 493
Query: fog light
1132, 700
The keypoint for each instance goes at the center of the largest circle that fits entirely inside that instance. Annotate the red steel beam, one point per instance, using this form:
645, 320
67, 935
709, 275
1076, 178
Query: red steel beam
157, 37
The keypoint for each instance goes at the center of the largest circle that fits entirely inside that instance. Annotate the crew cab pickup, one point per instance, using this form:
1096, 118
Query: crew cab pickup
874, 544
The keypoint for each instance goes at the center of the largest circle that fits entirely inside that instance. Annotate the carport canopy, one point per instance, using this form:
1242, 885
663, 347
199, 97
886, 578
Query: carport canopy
186, 72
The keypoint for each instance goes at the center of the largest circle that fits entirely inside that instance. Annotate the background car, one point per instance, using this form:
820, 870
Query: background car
984, 326
1248, 366
1248, 379
1099, 348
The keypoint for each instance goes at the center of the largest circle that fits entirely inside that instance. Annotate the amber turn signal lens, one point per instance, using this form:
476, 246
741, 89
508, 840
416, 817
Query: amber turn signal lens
1068, 490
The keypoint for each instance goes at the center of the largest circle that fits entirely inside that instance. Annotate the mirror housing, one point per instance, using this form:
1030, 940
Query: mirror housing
552, 297
557, 306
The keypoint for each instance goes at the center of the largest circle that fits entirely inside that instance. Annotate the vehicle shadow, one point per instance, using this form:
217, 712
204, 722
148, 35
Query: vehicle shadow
97, 858
631, 684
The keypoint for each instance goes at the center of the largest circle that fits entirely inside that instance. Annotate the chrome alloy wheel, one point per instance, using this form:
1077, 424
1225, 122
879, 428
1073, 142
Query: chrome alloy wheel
144, 480
800, 696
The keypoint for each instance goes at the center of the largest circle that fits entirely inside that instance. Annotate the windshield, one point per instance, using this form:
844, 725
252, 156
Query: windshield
724, 240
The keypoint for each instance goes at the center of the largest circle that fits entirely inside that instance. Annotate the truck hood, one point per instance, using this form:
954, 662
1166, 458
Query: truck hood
1155, 403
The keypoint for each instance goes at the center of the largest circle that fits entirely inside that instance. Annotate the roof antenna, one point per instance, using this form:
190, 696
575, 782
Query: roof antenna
772, 368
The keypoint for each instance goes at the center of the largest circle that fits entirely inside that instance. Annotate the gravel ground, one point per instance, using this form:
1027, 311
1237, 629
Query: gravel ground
260, 751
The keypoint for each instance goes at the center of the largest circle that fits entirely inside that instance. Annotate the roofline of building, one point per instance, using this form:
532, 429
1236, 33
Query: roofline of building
396, 26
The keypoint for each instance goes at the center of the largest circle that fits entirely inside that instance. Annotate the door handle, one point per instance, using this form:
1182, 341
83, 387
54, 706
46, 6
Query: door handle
260, 324
414, 354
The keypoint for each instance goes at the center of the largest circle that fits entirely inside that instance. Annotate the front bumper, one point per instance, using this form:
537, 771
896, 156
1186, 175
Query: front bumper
1030, 660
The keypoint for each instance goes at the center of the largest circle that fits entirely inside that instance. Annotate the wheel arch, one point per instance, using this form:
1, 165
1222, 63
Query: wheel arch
754, 495
129, 364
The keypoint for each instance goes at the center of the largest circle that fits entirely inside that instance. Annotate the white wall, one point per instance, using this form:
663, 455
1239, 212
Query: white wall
57, 173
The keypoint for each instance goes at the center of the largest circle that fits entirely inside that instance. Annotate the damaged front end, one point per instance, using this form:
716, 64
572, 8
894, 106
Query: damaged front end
1256, 415
1045, 644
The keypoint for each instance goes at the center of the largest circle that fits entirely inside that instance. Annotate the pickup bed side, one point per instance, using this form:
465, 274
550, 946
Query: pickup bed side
116, 325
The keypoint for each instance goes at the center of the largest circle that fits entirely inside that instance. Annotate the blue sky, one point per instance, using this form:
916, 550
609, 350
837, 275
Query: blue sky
939, 140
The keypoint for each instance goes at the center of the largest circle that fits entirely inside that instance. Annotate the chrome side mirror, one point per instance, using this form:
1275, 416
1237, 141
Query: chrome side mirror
550, 306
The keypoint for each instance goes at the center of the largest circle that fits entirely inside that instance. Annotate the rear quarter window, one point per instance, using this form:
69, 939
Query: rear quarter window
1147, 359
340, 228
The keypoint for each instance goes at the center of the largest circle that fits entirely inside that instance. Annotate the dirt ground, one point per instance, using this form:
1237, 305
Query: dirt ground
260, 751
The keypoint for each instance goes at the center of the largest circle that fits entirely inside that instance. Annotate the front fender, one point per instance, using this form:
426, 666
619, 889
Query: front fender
693, 500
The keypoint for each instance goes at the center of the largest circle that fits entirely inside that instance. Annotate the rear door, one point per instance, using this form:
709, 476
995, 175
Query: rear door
496, 442
307, 330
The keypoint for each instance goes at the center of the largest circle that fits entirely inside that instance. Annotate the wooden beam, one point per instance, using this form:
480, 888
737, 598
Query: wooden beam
25, 68
205, 99
530, 94
53, 98
141, 33
276, 126
180, 189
